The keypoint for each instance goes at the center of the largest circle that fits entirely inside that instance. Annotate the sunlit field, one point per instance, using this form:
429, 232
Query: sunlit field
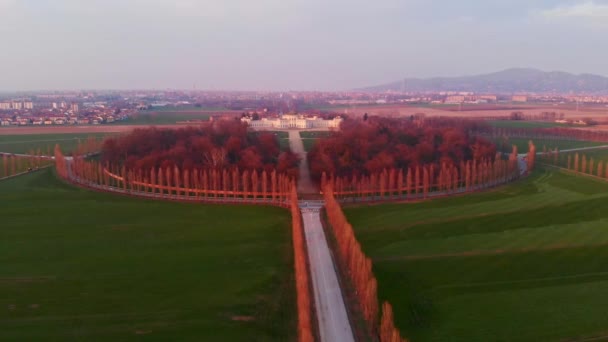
80, 265
526, 262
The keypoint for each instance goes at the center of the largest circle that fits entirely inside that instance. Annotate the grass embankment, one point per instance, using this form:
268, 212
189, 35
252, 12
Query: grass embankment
89, 266
45, 142
526, 262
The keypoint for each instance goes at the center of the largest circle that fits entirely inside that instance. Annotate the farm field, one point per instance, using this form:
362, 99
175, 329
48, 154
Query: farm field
45, 142
522, 144
80, 265
526, 262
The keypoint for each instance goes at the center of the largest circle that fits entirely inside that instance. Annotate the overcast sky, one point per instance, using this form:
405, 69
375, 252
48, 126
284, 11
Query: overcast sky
289, 44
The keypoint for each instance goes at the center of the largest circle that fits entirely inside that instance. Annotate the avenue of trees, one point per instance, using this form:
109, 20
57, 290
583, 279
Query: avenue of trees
358, 270
364, 148
303, 294
220, 145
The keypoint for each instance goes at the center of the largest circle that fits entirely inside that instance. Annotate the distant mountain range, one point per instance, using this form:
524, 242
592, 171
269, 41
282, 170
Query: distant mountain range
508, 81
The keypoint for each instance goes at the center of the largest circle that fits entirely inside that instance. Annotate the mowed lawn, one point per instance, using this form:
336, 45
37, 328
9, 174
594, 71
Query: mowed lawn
80, 265
309, 138
526, 262
27, 143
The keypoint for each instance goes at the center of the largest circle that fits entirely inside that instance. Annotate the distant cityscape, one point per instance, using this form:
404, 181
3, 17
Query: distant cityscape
98, 108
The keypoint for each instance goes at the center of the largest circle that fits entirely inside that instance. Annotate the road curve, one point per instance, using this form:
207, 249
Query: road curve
332, 319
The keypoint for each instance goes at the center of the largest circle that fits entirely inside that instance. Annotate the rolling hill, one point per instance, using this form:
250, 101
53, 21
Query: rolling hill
506, 81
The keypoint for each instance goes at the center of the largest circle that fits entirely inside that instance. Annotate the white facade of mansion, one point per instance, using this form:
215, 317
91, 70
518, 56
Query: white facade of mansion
293, 121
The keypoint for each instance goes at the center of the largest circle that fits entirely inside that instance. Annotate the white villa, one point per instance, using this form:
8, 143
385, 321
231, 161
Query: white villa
293, 121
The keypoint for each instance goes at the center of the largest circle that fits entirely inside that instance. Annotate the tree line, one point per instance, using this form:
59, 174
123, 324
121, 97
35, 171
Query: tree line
358, 270
173, 181
303, 291
215, 145
13, 165
577, 162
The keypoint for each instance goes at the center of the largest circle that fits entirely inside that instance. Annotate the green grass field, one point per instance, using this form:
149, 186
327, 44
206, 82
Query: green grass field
191, 108
164, 117
522, 144
526, 262
45, 142
524, 124
308, 143
80, 265
309, 139
600, 154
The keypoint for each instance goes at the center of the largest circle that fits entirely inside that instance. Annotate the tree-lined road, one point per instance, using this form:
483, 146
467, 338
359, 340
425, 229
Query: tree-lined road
332, 318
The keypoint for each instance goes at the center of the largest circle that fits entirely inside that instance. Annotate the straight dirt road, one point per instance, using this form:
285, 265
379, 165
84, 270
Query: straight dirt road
332, 318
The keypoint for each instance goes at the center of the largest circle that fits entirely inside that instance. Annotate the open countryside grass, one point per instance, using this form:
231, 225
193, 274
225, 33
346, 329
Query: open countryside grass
600, 154
505, 145
164, 117
526, 262
310, 138
45, 142
525, 124
80, 265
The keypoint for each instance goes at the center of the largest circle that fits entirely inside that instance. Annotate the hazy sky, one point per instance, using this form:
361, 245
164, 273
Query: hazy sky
289, 44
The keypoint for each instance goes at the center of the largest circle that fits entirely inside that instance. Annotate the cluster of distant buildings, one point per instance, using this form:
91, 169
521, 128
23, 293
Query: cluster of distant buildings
293, 121
449, 97
26, 112
16, 105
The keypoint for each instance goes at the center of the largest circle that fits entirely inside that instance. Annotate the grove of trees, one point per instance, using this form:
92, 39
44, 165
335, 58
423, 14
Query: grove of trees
364, 148
217, 145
